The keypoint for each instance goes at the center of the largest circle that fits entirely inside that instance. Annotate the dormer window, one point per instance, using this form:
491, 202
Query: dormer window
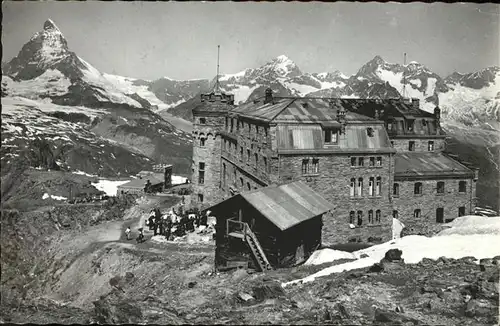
409, 124
331, 136
369, 131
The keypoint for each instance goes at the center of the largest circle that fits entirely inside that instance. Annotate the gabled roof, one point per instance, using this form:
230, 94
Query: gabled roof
420, 164
286, 205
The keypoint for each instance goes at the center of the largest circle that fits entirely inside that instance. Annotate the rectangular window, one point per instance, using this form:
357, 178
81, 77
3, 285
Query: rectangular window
371, 185
411, 146
418, 188
232, 125
203, 121
353, 161
224, 172
392, 143
462, 186
201, 173
378, 215
241, 153
440, 187
370, 216
372, 161
352, 187
200, 198
256, 159
378, 186
257, 130
461, 211
265, 162
360, 187
361, 161
395, 190
331, 136
315, 166
430, 146
416, 213
395, 214
305, 166
379, 160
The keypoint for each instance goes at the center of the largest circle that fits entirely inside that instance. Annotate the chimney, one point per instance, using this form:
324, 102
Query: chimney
437, 114
341, 118
269, 96
415, 103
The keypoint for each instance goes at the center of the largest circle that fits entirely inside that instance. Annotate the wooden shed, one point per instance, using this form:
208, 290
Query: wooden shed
271, 227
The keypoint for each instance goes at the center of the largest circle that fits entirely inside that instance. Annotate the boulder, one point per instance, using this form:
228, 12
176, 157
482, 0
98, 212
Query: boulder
479, 308
393, 255
245, 296
267, 290
386, 316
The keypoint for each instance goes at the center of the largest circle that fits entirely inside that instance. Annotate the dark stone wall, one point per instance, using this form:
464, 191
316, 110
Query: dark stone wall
333, 183
407, 202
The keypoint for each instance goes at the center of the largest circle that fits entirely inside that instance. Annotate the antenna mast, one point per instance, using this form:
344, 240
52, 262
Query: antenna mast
217, 86
404, 78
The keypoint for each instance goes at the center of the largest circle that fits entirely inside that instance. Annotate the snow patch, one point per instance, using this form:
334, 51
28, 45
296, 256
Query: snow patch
453, 243
328, 255
108, 186
177, 180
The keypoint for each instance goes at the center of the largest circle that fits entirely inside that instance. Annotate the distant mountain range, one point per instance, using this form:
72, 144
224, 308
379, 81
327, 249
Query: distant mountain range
107, 124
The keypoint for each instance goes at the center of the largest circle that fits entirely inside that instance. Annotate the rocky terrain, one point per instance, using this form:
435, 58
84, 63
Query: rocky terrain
71, 264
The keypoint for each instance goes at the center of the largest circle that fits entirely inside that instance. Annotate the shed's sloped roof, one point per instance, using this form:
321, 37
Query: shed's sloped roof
428, 163
140, 183
287, 205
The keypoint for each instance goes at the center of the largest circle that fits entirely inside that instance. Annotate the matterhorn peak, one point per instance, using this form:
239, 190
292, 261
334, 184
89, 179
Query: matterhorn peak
282, 58
50, 25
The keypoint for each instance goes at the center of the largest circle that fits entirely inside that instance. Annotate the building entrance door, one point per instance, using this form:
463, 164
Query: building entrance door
440, 215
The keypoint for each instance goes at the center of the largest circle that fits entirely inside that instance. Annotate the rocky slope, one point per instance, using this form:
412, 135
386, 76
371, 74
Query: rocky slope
96, 123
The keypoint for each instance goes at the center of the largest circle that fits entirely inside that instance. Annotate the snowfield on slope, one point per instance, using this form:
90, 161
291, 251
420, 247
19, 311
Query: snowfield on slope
454, 242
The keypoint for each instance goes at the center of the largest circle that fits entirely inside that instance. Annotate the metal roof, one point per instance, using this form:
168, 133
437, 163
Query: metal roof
140, 183
287, 205
296, 110
428, 163
356, 137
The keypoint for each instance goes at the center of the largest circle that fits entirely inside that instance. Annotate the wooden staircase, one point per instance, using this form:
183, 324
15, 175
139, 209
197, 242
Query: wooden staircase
257, 250
246, 234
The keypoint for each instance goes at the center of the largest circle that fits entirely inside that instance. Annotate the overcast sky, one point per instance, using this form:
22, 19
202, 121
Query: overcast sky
179, 40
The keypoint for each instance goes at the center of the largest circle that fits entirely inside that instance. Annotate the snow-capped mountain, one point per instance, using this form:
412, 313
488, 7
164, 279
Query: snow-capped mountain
48, 83
466, 98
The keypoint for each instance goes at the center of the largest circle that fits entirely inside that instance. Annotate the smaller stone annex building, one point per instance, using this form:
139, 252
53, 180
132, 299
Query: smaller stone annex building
372, 159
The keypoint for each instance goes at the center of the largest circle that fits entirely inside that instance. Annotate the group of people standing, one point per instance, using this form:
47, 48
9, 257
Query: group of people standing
172, 225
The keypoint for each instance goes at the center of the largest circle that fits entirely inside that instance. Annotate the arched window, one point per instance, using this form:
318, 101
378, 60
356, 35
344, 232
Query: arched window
360, 187
352, 217
378, 186
360, 218
395, 190
370, 216
248, 186
353, 186
371, 185
418, 188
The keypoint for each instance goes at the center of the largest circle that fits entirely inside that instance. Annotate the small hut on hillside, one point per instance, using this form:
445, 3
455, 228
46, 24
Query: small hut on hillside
272, 227
149, 184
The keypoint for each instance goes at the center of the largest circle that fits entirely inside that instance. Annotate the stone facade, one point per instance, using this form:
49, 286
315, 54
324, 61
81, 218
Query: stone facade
333, 181
421, 144
429, 201
241, 153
